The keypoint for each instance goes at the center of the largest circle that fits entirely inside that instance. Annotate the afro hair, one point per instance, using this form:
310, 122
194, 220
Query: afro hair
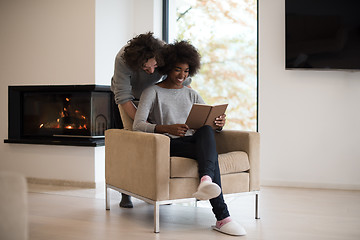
180, 52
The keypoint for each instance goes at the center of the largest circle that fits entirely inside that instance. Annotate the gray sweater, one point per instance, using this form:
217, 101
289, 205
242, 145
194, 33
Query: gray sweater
162, 106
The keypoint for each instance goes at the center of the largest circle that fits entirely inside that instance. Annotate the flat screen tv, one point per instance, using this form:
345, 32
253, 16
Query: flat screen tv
322, 34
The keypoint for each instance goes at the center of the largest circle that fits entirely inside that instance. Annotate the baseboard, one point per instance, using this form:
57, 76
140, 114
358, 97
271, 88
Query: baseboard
335, 186
56, 182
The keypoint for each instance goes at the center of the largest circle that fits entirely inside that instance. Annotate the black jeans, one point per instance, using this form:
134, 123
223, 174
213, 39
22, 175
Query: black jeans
202, 147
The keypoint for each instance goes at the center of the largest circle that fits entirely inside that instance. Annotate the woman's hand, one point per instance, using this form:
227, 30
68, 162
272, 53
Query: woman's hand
175, 129
178, 129
220, 121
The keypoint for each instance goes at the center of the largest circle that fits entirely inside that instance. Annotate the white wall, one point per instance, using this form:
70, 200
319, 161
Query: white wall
112, 30
308, 120
148, 17
46, 42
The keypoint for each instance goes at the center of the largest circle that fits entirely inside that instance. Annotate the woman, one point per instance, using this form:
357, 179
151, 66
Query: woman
164, 107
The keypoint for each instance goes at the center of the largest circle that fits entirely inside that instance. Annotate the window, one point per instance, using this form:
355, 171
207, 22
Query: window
225, 33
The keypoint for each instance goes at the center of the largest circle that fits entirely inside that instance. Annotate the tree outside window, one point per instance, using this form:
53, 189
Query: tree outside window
225, 33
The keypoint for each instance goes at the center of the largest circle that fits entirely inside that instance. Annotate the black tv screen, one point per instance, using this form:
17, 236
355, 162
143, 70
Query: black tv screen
322, 34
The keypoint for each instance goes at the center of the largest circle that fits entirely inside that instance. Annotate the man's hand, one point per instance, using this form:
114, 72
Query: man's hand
130, 108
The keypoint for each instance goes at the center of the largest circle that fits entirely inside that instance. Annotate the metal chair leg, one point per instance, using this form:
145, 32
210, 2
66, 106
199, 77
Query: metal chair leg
156, 218
257, 206
107, 197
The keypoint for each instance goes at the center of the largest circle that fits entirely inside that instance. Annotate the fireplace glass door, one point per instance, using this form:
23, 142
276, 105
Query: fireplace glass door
80, 114
48, 114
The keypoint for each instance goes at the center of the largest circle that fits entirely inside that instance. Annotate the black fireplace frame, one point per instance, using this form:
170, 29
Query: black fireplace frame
15, 129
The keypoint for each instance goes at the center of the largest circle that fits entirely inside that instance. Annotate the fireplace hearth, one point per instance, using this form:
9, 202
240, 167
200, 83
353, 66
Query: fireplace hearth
75, 115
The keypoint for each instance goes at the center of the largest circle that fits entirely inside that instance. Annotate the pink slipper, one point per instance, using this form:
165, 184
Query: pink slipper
231, 228
207, 190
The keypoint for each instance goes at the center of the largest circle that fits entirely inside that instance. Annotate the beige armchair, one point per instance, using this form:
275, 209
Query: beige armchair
139, 164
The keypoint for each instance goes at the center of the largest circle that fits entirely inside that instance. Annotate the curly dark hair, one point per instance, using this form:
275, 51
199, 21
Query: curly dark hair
141, 48
180, 52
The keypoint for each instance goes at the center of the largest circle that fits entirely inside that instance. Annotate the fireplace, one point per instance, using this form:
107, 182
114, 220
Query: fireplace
75, 115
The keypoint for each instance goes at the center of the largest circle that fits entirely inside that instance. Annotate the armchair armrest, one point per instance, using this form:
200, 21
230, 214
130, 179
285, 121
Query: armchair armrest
247, 141
138, 162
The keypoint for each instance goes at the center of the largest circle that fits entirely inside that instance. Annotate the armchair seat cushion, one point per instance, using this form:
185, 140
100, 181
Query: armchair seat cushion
231, 162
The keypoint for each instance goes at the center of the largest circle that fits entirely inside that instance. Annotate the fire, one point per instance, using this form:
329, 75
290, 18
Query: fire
68, 119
